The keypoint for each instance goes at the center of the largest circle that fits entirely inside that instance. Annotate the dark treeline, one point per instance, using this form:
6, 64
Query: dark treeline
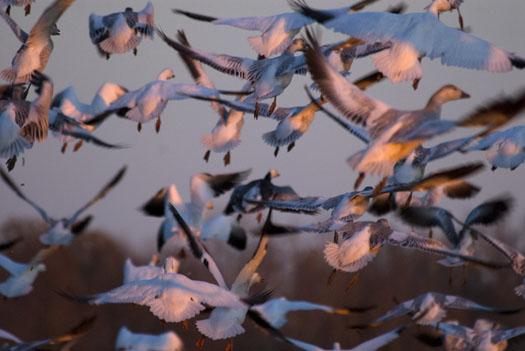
94, 263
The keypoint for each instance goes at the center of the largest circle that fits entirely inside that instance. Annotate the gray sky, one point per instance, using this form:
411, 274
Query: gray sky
61, 183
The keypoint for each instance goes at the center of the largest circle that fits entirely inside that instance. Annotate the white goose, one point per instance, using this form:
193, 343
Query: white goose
226, 135
415, 35
37, 47
485, 335
147, 103
361, 242
68, 113
503, 149
22, 122
203, 188
129, 341
62, 232
277, 31
22, 276
394, 134
121, 32
431, 307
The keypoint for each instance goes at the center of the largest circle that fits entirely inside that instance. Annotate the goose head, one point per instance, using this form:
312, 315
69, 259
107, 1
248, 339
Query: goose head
439, 6
166, 74
272, 173
445, 94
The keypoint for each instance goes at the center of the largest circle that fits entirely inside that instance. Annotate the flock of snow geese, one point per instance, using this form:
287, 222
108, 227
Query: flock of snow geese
393, 149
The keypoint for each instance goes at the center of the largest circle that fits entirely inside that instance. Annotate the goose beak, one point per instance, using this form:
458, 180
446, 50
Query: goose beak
464, 95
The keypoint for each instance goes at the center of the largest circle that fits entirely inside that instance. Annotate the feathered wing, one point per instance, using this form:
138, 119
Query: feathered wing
346, 97
11, 266
100, 195
241, 284
430, 217
43, 27
379, 341
18, 32
11, 183
232, 65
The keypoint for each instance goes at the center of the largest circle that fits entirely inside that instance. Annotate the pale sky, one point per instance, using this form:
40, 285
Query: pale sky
62, 183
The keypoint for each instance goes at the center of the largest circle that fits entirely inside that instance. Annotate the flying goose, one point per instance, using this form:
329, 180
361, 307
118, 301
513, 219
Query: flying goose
148, 102
431, 307
37, 45
9, 3
370, 345
361, 242
226, 135
415, 35
485, 335
130, 341
394, 134
203, 188
22, 122
69, 116
351, 204
121, 32
503, 149
22, 276
261, 190
62, 232
487, 213
436, 7
277, 31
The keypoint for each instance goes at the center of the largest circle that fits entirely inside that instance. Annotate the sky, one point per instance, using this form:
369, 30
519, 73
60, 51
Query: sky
63, 182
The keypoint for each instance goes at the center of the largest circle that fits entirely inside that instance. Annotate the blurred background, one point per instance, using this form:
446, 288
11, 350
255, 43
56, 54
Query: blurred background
62, 182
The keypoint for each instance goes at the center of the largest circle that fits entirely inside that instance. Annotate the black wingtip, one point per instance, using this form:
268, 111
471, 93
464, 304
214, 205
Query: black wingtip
154, 207
80, 226
301, 7
10, 243
517, 61
195, 16
238, 238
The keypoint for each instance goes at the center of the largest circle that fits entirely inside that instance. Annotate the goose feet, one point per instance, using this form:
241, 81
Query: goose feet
157, 125
227, 158
207, 156
359, 180
78, 145
290, 146
63, 148
27, 9
276, 151
139, 127
273, 106
10, 163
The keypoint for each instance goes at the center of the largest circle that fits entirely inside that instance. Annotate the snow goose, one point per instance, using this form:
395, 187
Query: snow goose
485, 335
261, 190
37, 47
436, 7
226, 134
121, 32
203, 188
348, 206
503, 149
415, 35
487, 213
277, 31
22, 276
61, 232
170, 296
71, 116
147, 103
370, 345
361, 242
394, 133
431, 307
9, 3
22, 122
129, 341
